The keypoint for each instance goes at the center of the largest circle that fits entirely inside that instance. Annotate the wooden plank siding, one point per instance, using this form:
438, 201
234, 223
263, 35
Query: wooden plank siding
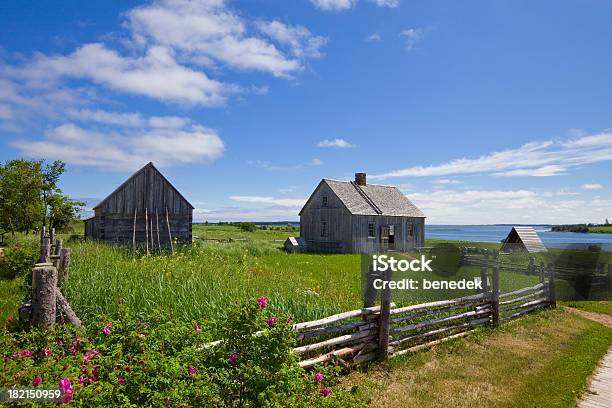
146, 190
347, 232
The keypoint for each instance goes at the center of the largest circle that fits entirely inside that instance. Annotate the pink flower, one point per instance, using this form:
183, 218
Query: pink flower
36, 381
9, 318
65, 387
89, 355
106, 330
47, 352
66, 366
192, 371
167, 402
22, 353
233, 357
319, 377
197, 328
271, 321
82, 379
263, 302
120, 380
325, 391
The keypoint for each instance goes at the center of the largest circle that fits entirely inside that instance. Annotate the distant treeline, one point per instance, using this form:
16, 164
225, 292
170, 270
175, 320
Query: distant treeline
583, 228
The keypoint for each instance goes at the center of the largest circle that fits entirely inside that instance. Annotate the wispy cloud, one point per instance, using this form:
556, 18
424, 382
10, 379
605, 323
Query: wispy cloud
477, 206
542, 158
374, 37
412, 36
447, 181
281, 202
592, 186
267, 165
341, 143
339, 5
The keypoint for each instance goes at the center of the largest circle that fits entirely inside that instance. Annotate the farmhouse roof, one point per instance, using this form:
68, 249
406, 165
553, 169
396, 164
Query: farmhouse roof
526, 236
372, 199
150, 164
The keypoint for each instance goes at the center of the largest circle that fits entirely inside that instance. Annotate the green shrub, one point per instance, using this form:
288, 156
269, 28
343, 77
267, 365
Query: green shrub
247, 226
18, 260
152, 360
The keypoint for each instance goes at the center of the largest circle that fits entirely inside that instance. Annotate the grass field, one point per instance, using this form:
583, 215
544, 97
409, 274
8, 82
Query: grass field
604, 229
542, 360
199, 281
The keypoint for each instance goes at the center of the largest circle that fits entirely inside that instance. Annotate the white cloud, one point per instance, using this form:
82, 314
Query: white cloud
156, 74
508, 206
339, 5
169, 46
316, 162
341, 143
118, 151
374, 37
543, 158
334, 4
128, 119
209, 32
386, 3
412, 36
299, 39
592, 186
447, 181
281, 202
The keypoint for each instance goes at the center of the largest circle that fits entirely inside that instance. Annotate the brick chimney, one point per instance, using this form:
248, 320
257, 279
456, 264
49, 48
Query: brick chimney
360, 179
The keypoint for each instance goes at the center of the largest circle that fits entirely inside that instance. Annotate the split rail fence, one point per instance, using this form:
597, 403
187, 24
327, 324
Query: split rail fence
379, 332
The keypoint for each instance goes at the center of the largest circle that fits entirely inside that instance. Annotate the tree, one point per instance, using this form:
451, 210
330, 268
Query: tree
29, 195
62, 210
607, 222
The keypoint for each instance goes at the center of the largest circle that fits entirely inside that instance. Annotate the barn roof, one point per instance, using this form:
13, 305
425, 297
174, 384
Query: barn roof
372, 199
150, 164
526, 236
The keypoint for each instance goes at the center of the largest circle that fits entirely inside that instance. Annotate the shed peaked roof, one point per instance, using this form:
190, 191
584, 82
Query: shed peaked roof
372, 199
526, 236
148, 165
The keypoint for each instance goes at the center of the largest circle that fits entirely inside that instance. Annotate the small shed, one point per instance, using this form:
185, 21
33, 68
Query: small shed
146, 210
523, 239
295, 244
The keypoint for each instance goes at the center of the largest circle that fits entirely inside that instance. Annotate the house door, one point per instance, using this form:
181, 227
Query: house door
387, 237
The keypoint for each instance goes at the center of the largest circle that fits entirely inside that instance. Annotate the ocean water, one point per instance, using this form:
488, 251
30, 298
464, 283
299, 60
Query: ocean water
495, 233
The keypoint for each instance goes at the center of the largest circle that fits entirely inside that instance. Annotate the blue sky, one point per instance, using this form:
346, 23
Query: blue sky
481, 112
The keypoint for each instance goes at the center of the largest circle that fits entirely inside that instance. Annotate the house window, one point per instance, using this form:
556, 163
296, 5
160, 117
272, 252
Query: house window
324, 231
409, 230
371, 230
324, 201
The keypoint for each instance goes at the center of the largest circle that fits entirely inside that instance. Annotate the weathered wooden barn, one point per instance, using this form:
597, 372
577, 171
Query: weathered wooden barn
356, 217
523, 239
146, 210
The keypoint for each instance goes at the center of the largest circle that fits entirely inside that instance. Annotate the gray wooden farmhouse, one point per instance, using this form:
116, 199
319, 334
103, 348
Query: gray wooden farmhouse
356, 217
146, 210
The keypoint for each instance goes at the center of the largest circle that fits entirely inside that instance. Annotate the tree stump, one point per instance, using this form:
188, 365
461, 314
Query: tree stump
44, 283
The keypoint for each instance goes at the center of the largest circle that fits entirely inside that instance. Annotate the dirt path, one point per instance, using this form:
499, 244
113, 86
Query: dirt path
599, 393
604, 319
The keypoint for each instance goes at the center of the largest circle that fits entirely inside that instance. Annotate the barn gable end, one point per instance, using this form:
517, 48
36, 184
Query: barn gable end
146, 208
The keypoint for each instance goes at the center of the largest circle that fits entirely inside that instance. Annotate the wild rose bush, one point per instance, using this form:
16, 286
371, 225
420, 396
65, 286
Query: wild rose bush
151, 360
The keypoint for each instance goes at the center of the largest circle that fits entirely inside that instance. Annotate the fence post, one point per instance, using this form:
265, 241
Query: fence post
495, 294
45, 250
44, 284
552, 296
385, 314
610, 276
63, 264
531, 267
542, 272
